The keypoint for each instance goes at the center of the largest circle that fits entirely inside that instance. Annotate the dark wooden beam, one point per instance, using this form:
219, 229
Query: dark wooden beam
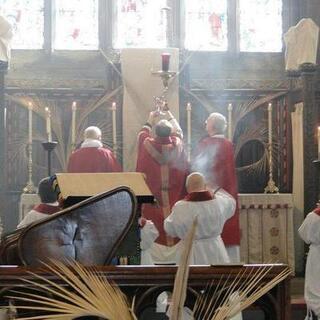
310, 123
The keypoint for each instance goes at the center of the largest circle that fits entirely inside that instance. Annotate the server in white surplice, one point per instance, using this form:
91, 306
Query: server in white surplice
212, 211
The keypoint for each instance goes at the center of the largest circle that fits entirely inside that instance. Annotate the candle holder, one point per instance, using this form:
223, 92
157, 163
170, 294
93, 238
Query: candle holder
49, 147
29, 188
165, 76
271, 186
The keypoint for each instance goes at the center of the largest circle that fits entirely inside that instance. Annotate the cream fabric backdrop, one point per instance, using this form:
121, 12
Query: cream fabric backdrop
140, 88
266, 222
298, 181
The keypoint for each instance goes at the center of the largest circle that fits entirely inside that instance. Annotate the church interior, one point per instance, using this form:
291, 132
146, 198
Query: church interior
69, 65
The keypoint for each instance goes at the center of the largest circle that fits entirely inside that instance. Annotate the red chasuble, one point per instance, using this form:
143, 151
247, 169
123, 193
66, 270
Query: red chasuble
93, 159
165, 165
215, 159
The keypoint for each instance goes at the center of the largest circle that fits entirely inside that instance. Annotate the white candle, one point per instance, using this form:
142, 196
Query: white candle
73, 124
114, 126
319, 142
48, 124
30, 122
189, 108
230, 121
270, 124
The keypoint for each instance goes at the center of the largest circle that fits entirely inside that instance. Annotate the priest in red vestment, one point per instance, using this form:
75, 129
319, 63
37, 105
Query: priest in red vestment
92, 156
214, 158
162, 159
48, 205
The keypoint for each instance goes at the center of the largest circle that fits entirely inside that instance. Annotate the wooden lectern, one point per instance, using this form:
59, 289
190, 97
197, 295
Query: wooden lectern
75, 187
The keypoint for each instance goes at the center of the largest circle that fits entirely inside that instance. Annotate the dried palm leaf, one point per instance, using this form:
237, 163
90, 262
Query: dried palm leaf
39, 108
254, 103
203, 100
244, 290
64, 147
109, 60
87, 293
260, 135
181, 279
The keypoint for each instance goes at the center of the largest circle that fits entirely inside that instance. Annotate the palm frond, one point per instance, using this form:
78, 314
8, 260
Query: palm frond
247, 287
258, 134
181, 279
254, 103
87, 293
203, 101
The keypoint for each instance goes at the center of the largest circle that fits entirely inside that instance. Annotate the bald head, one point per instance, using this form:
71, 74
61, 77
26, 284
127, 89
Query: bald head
195, 182
216, 123
92, 133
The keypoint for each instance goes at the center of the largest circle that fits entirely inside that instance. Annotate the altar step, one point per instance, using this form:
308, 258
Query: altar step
298, 306
298, 312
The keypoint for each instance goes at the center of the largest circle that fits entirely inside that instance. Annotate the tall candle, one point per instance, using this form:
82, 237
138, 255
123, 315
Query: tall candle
270, 124
230, 121
48, 124
73, 124
189, 108
114, 126
30, 122
319, 142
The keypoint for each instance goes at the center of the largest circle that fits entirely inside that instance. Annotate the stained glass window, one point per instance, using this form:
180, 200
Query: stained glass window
141, 23
76, 25
261, 25
27, 19
206, 25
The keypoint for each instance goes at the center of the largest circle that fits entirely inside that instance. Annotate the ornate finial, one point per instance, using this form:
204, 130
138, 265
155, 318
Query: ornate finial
271, 187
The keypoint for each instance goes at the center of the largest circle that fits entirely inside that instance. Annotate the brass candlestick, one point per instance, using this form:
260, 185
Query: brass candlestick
49, 147
29, 188
271, 186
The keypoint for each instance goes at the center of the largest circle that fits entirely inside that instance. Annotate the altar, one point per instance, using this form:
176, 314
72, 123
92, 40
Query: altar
266, 222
